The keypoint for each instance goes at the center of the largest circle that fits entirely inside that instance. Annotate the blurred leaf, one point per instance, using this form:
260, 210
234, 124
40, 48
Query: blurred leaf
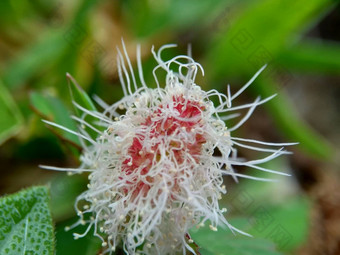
203, 251
34, 149
270, 192
35, 59
54, 110
26, 224
67, 245
49, 49
11, 120
64, 190
273, 209
288, 120
150, 17
312, 56
6, 10
250, 43
291, 223
13, 16
80, 96
224, 242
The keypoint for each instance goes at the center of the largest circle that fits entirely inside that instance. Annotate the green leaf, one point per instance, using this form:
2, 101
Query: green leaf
259, 34
273, 209
79, 95
64, 191
11, 120
250, 43
291, 221
54, 110
203, 251
49, 49
67, 245
148, 18
81, 98
224, 242
312, 57
35, 58
288, 120
26, 223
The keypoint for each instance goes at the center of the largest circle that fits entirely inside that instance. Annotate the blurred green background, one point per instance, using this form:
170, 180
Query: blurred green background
42, 40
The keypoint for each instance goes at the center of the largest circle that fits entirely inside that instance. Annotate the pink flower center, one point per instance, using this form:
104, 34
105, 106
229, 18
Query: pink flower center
187, 119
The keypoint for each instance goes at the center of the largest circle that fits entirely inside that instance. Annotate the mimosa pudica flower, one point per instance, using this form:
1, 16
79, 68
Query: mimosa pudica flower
157, 169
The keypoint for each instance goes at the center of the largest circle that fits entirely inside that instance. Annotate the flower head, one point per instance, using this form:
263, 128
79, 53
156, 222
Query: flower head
154, 173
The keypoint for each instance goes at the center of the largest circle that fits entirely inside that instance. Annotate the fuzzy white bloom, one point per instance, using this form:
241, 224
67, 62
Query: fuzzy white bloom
153, 171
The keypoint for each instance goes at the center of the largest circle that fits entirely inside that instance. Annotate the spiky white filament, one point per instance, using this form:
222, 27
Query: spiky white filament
148, 199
